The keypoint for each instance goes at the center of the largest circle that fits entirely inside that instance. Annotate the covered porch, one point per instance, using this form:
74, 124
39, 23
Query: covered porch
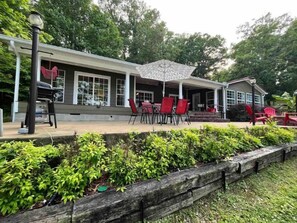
118, 79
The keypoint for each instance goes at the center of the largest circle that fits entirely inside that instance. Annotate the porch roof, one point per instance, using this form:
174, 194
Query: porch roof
83, 59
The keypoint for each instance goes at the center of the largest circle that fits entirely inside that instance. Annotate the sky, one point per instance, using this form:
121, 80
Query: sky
218, 17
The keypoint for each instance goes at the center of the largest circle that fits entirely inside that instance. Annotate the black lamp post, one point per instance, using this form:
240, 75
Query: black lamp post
295, 94
253, 82
36, 24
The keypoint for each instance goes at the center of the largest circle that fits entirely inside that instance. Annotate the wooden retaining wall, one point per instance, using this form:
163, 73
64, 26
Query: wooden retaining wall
154, 199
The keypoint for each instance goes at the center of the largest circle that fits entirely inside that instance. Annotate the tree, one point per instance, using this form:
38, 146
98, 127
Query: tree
13, 22
142, 30
205, 52
287, 76
258, 54
80, 25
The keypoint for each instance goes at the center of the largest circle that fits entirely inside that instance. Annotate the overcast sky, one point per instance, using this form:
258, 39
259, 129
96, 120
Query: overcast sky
218, 17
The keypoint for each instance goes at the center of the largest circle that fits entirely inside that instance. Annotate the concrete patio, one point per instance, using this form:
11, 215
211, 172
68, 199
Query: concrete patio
66, 129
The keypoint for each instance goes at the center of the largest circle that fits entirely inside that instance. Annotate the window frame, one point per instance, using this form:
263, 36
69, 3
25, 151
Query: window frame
144, 92
117, 94
92, 75
230, 98
242, 101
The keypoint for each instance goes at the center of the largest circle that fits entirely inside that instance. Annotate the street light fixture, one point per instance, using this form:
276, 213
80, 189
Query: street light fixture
253, 82
36, 24
295, 94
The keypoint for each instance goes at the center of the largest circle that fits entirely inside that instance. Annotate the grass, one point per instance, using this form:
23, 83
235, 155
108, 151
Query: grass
270, 196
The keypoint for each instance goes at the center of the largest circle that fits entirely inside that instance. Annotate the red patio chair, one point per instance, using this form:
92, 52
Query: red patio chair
258, 116
134, 110
269, 112
182, 109
166, 109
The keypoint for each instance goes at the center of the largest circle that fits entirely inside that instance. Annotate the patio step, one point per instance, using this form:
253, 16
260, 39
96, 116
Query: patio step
207, 117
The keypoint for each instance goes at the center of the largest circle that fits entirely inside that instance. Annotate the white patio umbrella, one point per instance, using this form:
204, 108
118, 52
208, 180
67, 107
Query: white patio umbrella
165, 70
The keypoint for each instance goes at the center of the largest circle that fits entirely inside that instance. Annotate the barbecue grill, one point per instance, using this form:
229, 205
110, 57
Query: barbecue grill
45, 93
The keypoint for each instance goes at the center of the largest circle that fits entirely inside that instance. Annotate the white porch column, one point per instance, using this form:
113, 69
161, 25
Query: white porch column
180, 93
15, 104
216, 99
127, 89
224, 101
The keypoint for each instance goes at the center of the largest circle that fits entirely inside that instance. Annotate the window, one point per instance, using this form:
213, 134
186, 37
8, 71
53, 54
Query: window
91, 89
249, 98
59, 85
144, 96
120, 92
230, 98
240, 97
257, 99
209, 98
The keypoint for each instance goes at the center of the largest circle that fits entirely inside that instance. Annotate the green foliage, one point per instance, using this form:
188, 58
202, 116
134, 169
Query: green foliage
206, 52
272, 135
80, 25
30, 174
285, 102
155, 157
25, 175
185, 144
265, 51
220, 143
122, 166
85, 162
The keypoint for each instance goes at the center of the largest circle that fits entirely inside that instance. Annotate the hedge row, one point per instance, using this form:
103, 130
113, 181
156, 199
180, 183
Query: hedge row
31, 174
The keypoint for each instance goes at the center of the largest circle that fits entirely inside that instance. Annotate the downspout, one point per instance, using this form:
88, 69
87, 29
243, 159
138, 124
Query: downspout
15, 104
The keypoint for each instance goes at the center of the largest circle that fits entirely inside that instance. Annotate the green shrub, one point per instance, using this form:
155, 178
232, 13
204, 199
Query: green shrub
184, 144
25, 175
273, 135
154, 160
85, 161
30, 174
122, 166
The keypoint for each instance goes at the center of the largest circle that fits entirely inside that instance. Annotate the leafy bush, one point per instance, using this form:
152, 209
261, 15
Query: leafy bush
122, 166
273, 135
85, 162
155, 157
30, 174
184, 143
25, 175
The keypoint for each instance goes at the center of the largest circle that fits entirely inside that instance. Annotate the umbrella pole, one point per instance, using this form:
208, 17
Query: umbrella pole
163, 89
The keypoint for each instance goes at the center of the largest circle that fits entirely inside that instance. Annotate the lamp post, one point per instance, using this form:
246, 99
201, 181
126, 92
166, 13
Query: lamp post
36, 24
295, 94
253, 82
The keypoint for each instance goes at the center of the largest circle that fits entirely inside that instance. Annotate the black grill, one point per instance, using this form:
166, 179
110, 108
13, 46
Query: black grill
45, 93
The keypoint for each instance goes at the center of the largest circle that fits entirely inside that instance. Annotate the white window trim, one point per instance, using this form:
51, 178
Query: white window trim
78, 73
246, 100
241, 92
230, 98
150, 92
120, 94
258, 103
